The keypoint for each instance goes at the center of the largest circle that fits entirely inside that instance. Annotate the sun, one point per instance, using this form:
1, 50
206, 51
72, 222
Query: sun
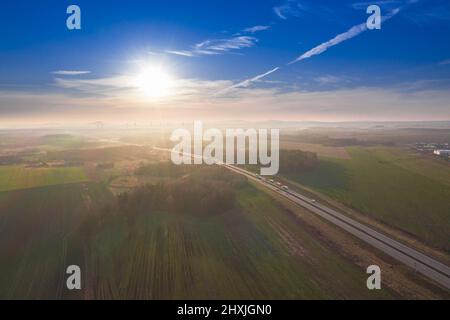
154, 81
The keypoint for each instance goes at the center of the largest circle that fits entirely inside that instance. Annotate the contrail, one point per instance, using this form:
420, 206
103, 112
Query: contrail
350, 33
247, 82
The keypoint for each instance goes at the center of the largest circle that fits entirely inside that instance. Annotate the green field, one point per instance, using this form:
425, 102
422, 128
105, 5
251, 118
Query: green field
255, 250
18, 177
63, 141
396, 186
34, 227
257, 254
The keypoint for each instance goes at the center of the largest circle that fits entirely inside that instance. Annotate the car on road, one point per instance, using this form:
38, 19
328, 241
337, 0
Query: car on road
285, 188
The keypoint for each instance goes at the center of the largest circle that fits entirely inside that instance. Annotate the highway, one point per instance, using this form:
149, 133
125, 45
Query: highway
418, 261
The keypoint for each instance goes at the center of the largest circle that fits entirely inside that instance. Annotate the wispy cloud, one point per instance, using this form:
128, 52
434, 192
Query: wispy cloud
256, 29
329, 79
123, 88
98, 86
445, 62
224, 45
289, 8
70, 72
363, 103
217, 46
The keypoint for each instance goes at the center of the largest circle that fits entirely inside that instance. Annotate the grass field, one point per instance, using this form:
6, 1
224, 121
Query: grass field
257, 250
393, 185
18, 177
65, 141
106, 154
321, 150
34, 227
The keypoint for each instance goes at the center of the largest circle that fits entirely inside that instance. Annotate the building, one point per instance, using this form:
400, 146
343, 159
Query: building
442, 152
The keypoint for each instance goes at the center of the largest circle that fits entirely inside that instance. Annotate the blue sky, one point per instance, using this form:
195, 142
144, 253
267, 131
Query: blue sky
226, 59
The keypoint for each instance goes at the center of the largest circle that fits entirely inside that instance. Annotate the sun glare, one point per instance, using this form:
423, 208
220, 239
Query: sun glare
154, 82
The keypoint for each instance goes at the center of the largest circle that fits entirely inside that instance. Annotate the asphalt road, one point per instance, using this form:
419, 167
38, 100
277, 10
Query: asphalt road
421, 263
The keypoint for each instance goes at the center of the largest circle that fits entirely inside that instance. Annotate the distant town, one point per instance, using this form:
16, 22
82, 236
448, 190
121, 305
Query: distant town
441, 150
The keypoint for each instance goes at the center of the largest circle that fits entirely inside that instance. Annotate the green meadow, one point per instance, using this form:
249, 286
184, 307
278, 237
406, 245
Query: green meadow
254, 250
18, 177
403, 189
257, 252
65, 141
34, 228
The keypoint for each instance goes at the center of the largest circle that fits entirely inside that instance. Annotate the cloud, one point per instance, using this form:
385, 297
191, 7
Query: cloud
70, 72
123, 88
332, 80
256, 29
108, 86
117, 98
289, 8
194, 101
365, 103
217, 46
445, 62
223, 45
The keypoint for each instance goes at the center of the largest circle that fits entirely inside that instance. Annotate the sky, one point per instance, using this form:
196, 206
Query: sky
235, 60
